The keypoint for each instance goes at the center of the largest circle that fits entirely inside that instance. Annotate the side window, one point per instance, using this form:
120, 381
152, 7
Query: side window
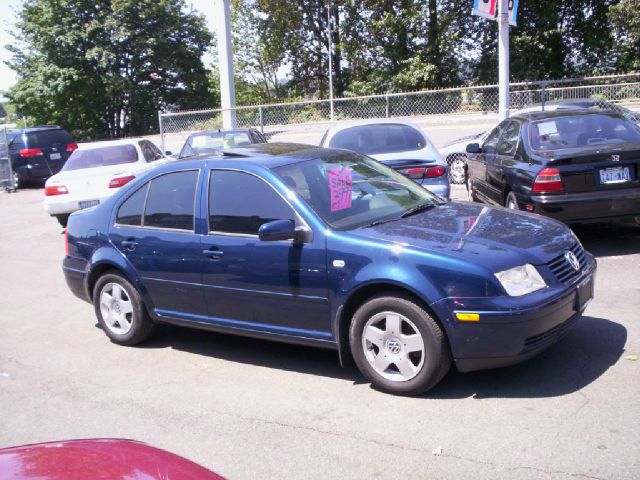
130, 212
509, 139
240, 202
147, 151
490, 144
171, 201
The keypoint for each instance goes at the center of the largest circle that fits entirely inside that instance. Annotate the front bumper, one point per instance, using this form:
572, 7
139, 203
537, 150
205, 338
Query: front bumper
510, 336
589, 207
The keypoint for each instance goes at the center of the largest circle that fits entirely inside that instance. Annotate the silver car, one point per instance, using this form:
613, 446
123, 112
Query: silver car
399, 144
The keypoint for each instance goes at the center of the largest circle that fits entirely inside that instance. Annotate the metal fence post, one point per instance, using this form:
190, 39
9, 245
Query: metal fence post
261, 122
161, 128
543, 94
386, 106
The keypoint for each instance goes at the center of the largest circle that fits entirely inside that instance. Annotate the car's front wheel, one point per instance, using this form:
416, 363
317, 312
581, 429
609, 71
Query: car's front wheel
398, 346
511, 201
120, 310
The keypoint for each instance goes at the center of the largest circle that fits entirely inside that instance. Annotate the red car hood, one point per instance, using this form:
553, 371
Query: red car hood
97, 459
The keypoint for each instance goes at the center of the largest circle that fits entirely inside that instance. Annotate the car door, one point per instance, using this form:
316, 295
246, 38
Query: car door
478, 163
277, 287
503, 162
154, 230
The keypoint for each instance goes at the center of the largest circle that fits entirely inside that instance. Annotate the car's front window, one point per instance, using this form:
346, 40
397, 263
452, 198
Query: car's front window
215, 141
350, 190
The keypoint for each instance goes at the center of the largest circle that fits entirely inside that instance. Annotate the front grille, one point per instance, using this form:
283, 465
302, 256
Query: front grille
563, 270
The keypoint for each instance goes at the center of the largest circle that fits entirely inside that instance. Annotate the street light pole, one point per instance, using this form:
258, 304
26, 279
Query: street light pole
225, 63
330, 60
503, 58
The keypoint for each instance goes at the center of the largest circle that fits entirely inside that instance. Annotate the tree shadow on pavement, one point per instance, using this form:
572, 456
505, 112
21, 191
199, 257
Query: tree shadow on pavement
608, 239
588, 350
581, 357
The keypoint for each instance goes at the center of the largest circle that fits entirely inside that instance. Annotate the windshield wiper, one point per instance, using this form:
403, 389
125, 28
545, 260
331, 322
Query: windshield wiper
378, 222
417, 209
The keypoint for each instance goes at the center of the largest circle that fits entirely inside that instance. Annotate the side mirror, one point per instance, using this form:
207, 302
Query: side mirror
168, 153
283, 230
473, 148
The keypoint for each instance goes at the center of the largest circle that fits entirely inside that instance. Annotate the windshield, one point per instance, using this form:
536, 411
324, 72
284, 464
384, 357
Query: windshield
582, 131
349, 190
380, 138
101, 157
213, 142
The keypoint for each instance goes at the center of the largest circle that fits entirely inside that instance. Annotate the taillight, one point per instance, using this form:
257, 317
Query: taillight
66, 241
548, 181
30, 152
55, 190
72, 147
120, 181
434, 172
421, 172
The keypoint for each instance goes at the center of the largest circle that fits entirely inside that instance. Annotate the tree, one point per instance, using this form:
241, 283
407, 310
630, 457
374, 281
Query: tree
626, 21
103, 68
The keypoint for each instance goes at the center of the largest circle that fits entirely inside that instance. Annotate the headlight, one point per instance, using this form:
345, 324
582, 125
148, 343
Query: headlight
521, 280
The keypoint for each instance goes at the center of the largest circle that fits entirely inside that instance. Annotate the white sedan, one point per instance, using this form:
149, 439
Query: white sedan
95, 171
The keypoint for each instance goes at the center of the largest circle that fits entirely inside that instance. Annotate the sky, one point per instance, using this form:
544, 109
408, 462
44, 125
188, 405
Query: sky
8, 16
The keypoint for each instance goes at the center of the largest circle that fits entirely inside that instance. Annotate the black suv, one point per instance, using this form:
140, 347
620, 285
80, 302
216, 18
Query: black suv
37, 153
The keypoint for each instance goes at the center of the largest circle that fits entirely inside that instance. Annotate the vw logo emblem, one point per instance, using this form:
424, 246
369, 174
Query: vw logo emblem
393, 345
572, 259
615, 158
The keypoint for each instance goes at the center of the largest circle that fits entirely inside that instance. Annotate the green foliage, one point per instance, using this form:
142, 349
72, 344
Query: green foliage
626, 21
104, 68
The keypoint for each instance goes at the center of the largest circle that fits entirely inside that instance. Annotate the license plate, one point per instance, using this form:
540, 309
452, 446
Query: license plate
88, 203
615, 175
584, 294
55, 156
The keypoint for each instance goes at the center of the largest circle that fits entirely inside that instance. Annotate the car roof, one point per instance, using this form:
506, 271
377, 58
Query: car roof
370, 121
108, 143
269, 155
220, 131
39, 128
564, 112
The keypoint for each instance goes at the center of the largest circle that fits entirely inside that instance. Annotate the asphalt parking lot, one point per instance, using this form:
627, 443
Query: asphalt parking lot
255, 409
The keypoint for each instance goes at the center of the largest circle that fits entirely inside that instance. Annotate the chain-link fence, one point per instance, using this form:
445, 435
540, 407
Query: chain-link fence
6, 172
306, 121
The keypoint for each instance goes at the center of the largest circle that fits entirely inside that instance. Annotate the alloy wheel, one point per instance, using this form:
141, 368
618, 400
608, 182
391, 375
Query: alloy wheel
393, 346
116, 308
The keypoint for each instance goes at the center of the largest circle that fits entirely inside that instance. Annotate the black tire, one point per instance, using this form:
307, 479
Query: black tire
141, 325
63, 219
511, 201
457, 168
436, 352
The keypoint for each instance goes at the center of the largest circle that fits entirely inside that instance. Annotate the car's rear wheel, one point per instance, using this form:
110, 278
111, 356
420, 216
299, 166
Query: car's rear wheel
511, 201
398, 346
63, 219
470, 192
120, 310
457, 168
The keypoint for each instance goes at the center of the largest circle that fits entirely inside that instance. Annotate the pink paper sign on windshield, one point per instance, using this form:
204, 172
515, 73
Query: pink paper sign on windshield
340, 187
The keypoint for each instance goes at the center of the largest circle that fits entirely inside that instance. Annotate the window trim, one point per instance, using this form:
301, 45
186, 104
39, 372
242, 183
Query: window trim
300, 221
146, 197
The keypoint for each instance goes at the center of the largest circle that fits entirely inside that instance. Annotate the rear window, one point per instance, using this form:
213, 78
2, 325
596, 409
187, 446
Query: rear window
101, 157
383, 138
582, 131
46, 138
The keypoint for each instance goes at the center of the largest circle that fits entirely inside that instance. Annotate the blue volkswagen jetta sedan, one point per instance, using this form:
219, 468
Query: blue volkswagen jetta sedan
328, 248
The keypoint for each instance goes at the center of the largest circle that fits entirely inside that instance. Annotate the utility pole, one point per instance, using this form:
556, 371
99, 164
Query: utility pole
330, 59
225, 63
503, 58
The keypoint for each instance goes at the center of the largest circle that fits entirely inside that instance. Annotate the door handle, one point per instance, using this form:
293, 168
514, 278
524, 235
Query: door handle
130, 244
213, 253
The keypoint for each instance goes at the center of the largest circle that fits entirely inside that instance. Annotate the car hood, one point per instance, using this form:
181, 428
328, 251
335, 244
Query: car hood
495, 238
